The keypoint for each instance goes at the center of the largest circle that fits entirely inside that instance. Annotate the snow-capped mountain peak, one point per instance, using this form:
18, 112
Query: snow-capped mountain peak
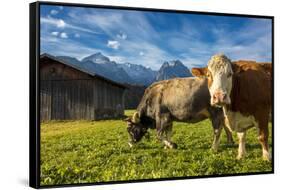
172, 69
97, 58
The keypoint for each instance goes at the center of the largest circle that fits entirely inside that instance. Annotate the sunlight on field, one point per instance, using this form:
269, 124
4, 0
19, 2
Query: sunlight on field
129, 112
95, 151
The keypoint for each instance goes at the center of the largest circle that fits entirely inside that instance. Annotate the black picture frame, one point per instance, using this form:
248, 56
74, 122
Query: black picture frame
34, 83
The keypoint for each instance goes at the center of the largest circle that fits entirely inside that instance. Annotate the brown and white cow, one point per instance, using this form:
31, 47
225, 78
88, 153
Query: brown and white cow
243, 90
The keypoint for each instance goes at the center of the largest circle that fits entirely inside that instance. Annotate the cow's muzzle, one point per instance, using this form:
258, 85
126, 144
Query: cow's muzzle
220, 98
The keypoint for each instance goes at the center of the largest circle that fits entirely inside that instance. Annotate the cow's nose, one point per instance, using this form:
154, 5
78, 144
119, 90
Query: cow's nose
219, 97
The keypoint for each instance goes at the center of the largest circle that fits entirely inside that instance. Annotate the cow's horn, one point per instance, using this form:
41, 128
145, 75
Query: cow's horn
136, 118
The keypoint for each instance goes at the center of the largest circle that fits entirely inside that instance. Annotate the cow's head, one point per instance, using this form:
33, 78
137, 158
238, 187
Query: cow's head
219, 73
135, 129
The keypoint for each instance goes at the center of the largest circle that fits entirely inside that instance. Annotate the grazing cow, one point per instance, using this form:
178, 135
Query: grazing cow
243, 90
179, 99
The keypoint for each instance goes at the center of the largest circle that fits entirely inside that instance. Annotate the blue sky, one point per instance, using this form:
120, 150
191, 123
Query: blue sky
149, 38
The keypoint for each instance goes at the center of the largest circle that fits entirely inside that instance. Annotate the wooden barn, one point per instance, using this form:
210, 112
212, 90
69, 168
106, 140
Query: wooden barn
68, 92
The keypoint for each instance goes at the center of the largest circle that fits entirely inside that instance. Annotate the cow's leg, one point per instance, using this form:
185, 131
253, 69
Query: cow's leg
164, 129
228, 135
217, 133
242, 143
217, 122
263, 133
158, 124
168, 134
216, 141
263, 138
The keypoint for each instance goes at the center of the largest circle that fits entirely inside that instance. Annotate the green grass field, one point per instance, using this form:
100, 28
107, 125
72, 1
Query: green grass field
85, 152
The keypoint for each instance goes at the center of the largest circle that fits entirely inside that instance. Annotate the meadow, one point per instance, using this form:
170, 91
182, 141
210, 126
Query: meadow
98, 151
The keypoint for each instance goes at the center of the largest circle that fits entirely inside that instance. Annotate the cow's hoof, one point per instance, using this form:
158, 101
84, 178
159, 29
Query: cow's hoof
266, 157
174, 146
240, 157
130, 144
171, 145
214, 149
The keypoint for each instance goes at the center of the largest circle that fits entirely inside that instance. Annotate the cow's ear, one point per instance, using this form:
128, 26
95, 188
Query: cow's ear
128, 119
199, 72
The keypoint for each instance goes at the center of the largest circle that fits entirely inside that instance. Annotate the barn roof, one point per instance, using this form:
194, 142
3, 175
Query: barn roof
45, 55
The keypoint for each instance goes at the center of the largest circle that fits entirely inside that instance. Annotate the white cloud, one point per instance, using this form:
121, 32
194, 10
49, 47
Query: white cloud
113, 44
47, 39
141, 53
77, 35
114, 23
55, 33
193, 60
54, 12
122, 36
154, 55
63, 35
60, 23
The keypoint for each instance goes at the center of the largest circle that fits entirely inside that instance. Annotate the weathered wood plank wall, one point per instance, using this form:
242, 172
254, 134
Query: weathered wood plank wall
70, 94
80, 99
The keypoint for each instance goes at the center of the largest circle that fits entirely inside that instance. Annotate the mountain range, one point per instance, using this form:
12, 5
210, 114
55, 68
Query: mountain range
128, 72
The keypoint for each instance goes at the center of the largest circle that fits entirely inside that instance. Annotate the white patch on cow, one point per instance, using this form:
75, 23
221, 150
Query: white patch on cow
242, 142
168, 144
221, 72
237, 122
216, 141
266, 155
